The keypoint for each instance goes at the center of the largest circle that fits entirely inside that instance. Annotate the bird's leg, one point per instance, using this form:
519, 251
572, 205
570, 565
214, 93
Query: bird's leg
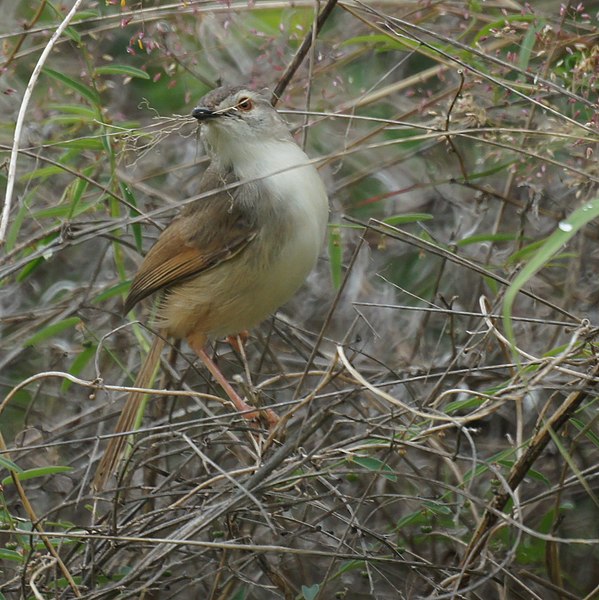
237, 341
247, 411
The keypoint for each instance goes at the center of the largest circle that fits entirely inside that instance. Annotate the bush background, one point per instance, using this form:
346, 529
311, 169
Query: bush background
451, 316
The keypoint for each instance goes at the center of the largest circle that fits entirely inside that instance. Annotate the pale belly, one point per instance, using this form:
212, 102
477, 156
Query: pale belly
241, 292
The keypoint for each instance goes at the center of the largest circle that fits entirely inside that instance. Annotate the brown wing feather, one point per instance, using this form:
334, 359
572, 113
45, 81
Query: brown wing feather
206, 233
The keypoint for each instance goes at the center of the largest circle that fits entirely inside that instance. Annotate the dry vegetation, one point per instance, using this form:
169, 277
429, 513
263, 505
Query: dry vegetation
437, 372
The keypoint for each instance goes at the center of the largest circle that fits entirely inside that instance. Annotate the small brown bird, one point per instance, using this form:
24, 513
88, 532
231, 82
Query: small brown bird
230, 259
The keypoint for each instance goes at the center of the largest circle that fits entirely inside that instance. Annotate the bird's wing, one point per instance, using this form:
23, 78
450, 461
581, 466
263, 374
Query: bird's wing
206, 233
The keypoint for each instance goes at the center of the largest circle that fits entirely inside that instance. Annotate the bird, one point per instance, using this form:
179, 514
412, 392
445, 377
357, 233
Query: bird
239, 251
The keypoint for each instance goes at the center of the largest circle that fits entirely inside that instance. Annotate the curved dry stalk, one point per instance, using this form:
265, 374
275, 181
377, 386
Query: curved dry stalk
12, 167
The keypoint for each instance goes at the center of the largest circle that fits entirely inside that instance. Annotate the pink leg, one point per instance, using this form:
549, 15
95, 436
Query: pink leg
234, 340
248, 412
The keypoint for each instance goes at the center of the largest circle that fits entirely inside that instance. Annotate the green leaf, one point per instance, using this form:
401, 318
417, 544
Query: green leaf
82, 90
121, 70
525, 252
135, 227
13, 555
566, 230
349, 565
87, 143
74, 109
336, 255
468, 403
19, 218
72, 33
80, 362
37, 472
487, 172
407, 218
487, 237
436, 507
593, 437
491, 284
85, 14
64, 211
69, 32
68, 120
414, 518
374, 464
309, 593
41, 173
29, 268
527, 45
508, 464
9, 465
366, 39
52, 330
111, 292
572, 464
76, 191
484, 466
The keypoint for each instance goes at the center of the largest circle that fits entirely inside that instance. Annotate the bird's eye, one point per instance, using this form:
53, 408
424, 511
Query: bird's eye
245, 104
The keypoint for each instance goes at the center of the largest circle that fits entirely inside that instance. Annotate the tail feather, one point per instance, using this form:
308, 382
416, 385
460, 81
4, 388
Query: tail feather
116, 445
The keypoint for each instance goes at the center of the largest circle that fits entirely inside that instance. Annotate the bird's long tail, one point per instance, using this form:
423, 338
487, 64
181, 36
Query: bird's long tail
128, 416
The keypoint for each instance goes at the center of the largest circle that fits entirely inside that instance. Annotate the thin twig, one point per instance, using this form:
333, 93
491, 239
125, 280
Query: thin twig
12, 168
35, 523
301, 52
522, 466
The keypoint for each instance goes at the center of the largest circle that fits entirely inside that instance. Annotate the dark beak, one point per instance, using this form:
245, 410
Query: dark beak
203, 114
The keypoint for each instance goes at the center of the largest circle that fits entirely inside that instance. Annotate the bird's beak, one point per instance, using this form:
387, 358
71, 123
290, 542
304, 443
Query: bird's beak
203, 114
